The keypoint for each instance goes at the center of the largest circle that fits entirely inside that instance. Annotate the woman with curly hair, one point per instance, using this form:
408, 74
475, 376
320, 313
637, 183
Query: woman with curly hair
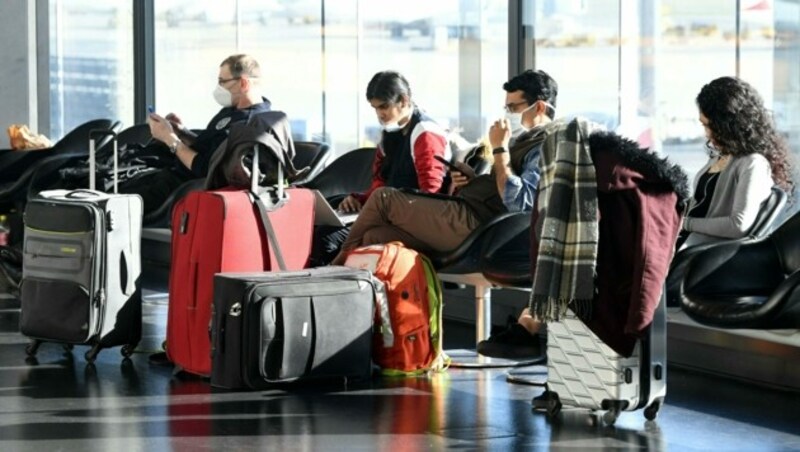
747, 158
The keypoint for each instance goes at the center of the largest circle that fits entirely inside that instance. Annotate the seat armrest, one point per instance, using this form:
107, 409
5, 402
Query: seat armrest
781, 309
506, 256
468, 253
743, 268
504, 233
677, 268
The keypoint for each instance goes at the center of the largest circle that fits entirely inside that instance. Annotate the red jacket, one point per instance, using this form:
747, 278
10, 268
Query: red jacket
640, 200
412, 164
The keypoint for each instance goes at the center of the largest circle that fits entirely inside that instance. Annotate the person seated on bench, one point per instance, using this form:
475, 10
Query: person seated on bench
747, 157
405, 156
441, 222
238, 92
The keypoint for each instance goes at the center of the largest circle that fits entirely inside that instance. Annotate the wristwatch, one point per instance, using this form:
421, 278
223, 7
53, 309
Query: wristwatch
499, 150
174, 146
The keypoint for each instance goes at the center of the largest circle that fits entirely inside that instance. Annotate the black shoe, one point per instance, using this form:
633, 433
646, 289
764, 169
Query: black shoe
499, 329
513, 343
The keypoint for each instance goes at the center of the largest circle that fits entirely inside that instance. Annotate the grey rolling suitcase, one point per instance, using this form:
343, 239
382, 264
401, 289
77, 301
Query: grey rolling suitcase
582, 371
81, 267
285, 326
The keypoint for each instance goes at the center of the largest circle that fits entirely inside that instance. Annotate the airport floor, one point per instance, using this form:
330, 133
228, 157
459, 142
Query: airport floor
57, 403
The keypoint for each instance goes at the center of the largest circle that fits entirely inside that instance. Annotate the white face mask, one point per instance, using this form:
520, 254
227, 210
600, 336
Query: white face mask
515, 120
395, 126
223, 96
391, 127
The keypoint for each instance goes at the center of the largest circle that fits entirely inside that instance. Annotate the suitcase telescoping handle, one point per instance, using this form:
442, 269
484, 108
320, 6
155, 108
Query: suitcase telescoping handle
93, 135
272, 239
255, 174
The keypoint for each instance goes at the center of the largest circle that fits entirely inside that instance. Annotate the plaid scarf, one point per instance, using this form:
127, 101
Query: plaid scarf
566, 224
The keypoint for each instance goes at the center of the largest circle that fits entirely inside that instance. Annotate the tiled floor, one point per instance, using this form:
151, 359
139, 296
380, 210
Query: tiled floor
57, 403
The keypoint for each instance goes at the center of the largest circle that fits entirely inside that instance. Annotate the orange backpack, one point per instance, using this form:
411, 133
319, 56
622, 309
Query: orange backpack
408, 339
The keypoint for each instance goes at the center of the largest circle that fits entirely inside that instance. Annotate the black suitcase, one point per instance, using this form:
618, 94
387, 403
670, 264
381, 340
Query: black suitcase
283, 326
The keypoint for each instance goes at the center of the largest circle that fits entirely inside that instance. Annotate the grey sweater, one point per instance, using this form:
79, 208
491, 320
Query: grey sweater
742, 186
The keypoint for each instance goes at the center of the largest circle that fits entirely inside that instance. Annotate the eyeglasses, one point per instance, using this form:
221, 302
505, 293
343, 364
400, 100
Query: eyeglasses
513, 106
226, 80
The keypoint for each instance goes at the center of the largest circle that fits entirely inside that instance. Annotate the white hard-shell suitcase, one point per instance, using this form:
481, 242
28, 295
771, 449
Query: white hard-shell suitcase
81, 267
582, 371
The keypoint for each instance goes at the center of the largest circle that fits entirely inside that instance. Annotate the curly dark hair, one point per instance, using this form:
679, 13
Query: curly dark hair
741, 125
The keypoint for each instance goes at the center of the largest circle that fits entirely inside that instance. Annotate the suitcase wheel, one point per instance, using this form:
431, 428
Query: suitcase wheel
127, 350
91, 355
32, 348
553, 405
651, 411
610, 417
549, 402
613, 407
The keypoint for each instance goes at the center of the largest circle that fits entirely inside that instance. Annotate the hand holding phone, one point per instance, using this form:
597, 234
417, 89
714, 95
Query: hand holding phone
462, 168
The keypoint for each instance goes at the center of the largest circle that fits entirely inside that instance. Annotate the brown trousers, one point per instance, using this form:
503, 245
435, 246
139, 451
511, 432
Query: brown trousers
421, 223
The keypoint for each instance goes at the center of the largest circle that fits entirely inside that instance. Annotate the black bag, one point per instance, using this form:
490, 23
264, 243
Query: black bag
10, 270
231, 162
134, 161
286, 326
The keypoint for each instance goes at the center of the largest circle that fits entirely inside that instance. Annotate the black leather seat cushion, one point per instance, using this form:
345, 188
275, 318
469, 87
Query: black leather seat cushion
747, 284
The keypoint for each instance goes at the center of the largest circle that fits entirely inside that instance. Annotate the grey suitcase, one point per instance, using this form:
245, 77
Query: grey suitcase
81, 267
582, 371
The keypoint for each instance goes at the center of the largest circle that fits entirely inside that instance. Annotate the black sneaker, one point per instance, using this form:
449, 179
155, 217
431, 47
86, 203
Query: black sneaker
499, 329
513, 343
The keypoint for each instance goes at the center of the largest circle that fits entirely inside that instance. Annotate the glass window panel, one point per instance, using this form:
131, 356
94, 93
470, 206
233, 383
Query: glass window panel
453, 53
191, 40
698, 44
90, 78
770, 60
576, 42
325, 100
286, 38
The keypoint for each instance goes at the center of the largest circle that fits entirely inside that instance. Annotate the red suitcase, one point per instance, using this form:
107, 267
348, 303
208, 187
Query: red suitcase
223, 231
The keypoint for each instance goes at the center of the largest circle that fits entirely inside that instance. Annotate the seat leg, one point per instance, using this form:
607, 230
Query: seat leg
483, 312
483, 326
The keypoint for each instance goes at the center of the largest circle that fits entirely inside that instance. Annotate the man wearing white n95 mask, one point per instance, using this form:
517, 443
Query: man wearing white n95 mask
238, 92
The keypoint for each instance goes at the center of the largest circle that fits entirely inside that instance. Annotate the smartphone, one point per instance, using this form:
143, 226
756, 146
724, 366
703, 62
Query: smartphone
466, 170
